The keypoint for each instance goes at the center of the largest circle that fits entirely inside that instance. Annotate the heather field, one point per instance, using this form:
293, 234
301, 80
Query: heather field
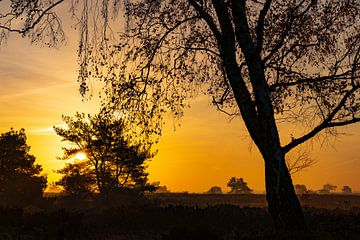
332, 201
176, 216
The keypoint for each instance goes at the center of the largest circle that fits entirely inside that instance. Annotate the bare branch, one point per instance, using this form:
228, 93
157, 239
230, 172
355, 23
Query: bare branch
326, 123
306, 80
298, 162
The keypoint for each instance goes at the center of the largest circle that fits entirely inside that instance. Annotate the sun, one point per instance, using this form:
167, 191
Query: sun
80, 156
76, 158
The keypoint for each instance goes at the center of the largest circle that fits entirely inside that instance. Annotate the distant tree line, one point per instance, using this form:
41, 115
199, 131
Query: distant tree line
239, 186
236, 185
301, 189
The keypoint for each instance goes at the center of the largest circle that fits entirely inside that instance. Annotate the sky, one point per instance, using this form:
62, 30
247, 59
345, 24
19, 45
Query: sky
38, 85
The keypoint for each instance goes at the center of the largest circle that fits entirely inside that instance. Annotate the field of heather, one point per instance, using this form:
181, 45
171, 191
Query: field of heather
332, 201
176, 216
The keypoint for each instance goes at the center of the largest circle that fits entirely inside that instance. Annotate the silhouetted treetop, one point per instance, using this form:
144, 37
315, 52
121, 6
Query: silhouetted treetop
14, 154
346, 189
327, 188
215, 190
114, 159
20, 179
238, 186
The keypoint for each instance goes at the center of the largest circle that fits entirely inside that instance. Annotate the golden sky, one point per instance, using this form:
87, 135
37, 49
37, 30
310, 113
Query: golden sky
38, 85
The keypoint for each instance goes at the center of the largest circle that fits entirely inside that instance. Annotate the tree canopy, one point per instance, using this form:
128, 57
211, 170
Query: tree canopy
346, 189
172, 50
20, 179
114, 159
327, 188
238, 186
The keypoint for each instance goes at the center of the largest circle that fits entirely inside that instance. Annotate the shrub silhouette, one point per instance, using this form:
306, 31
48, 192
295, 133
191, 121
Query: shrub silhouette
215, 190
301, 189
346, 189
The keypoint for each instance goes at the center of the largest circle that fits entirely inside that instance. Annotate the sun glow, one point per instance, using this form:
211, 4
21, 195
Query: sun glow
80, 156
76, 158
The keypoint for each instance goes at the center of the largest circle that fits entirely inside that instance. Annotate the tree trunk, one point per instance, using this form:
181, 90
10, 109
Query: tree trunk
257, 111
283, 203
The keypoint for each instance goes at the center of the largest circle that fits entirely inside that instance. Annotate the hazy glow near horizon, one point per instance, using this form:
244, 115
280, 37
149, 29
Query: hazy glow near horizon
38, 85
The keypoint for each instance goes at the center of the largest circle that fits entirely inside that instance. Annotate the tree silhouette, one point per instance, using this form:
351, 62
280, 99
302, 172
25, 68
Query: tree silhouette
215, 190
20, 180
327, 189
265, 60
114, 160
301, 189
346, 189
160, 189
238, 186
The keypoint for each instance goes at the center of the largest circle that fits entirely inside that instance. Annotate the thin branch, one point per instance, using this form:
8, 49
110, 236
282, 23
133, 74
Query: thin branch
170, 30
326, 123
25, 30
342, 76
344, 123
300, 162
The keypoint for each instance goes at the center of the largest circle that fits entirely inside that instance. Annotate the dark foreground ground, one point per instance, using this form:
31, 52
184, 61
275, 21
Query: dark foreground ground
175, 217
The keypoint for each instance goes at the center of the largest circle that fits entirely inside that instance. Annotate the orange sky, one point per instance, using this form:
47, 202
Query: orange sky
38, 85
